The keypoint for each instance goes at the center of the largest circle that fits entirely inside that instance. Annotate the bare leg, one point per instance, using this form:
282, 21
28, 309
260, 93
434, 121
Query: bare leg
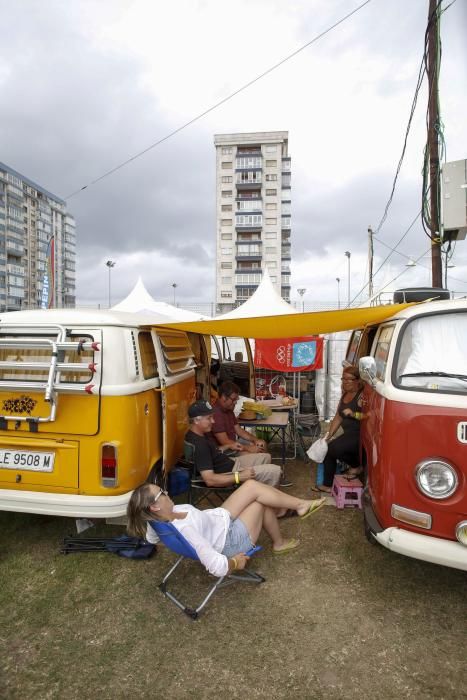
256, 516
253, 491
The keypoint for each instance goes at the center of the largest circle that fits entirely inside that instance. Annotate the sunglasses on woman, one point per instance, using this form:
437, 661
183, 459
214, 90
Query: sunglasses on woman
166, 493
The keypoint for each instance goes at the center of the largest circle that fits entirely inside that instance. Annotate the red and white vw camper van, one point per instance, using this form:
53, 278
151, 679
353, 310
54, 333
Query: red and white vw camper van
414, 432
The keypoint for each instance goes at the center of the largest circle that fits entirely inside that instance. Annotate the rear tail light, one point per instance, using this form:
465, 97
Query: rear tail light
109, 466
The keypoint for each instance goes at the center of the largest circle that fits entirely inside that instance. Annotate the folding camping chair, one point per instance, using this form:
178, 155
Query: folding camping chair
308, 429
199, 490
174, 540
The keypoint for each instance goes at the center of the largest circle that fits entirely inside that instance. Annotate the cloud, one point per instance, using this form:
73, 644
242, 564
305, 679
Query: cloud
95, 83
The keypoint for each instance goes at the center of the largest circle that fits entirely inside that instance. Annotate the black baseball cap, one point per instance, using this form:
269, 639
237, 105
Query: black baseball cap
200, 408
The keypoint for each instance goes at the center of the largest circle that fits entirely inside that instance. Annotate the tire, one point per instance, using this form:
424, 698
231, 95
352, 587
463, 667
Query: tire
368, 531
155, 476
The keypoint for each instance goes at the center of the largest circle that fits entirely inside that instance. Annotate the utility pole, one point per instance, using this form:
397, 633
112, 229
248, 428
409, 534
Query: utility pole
347, 255
433, 145
370, 262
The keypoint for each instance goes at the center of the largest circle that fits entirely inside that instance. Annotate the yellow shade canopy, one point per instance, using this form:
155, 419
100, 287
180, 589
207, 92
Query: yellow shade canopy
290, 325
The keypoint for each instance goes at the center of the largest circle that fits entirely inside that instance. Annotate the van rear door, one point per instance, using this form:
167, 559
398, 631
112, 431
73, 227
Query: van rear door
49, 393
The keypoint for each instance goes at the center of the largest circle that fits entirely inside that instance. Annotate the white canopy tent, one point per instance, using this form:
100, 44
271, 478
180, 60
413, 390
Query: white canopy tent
265, 301
139, 299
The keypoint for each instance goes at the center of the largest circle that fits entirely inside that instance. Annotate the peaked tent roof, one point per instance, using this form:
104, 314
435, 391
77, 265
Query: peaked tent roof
139, 299
265, 301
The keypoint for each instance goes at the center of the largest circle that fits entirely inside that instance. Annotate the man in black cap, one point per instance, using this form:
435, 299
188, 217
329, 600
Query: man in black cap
217, 468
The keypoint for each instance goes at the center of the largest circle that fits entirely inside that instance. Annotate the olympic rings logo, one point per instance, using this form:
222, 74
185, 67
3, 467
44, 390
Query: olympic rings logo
280, 354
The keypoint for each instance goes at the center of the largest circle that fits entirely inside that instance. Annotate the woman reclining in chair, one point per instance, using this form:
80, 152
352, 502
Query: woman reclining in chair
221, 536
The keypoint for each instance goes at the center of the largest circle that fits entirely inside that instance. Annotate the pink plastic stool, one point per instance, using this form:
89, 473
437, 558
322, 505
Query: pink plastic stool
347, 493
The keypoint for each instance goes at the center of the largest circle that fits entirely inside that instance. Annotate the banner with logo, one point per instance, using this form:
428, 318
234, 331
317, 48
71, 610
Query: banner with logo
289, 354
48, 281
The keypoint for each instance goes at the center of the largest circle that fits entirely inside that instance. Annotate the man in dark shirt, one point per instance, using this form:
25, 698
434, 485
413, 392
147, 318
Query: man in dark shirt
215, 467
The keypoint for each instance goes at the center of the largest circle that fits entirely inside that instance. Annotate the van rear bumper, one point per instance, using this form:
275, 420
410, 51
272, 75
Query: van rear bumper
67, 505
432, 549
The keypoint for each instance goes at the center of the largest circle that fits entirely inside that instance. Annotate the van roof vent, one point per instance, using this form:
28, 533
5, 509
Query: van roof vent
401, 296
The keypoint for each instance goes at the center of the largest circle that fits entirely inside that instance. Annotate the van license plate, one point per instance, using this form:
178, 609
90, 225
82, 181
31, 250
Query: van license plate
29, 461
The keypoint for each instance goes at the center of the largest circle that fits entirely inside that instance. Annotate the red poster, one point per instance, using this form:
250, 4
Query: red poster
289, 354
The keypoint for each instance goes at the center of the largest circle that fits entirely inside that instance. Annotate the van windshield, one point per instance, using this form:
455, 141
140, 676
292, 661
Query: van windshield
433, 354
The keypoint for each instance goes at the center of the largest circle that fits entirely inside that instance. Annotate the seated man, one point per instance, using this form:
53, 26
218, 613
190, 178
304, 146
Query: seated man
226, 430
215, 467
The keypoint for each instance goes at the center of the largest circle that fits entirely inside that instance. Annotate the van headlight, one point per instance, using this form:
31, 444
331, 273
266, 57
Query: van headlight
435, 478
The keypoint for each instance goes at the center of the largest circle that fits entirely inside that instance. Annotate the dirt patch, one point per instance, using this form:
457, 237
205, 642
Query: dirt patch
338, 618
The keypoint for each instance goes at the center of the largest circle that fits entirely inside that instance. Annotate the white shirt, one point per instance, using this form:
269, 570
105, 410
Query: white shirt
206, 531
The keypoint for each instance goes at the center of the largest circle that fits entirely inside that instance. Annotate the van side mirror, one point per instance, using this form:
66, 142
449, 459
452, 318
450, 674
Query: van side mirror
367, 368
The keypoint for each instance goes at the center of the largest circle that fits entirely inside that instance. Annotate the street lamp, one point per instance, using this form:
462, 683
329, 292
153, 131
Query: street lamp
338, 280
175, 287
347, 255
302, 291
110, 264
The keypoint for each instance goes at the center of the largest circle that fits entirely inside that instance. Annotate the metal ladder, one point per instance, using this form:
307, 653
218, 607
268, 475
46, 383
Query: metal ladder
52, 385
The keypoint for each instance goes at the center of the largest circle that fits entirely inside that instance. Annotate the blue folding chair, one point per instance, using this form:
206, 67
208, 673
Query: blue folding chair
174, 540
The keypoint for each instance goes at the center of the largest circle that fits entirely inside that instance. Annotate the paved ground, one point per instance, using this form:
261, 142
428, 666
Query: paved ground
339, 618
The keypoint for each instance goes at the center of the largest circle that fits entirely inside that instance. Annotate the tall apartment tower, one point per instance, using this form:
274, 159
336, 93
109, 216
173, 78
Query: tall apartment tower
31, 218
253, 181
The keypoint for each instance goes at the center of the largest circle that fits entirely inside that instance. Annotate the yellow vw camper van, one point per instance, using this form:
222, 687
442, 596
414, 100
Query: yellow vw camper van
93, 403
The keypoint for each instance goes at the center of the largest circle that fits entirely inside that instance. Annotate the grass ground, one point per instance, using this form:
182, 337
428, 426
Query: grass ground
338, 618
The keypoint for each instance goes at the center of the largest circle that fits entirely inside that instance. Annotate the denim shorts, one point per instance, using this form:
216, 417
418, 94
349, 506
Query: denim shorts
237, 539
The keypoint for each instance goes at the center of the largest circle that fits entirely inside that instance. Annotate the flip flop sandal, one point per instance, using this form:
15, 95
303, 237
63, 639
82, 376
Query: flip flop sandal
314, 506
316, 489
291, 545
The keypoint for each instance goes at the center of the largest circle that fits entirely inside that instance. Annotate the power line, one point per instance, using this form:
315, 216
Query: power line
221, 102
387, 257
421, 73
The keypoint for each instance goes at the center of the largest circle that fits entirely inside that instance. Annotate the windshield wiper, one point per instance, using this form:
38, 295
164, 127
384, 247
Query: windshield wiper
435, 374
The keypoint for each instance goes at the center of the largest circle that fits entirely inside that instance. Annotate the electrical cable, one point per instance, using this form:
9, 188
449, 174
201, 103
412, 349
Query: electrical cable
221, 102
439, 127
393, 250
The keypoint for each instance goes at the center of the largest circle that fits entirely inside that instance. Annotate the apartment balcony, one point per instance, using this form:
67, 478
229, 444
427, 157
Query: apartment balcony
251, 222
248, 179
13, 304
251, 194
247, 270
249, 152
249, 257
286, 165
16, 249
248, 206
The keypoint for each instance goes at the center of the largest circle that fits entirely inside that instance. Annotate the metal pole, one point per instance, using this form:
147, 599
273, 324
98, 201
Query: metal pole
370, 262
433, 144
110, 264
347, 254
338, 280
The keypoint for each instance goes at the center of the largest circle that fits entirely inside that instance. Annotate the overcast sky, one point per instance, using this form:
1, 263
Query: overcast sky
87, 84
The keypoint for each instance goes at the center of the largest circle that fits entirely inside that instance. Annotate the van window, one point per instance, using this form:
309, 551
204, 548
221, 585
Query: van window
32, 356
353, 347
382, 350
148, 355
177, 351
432, 354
